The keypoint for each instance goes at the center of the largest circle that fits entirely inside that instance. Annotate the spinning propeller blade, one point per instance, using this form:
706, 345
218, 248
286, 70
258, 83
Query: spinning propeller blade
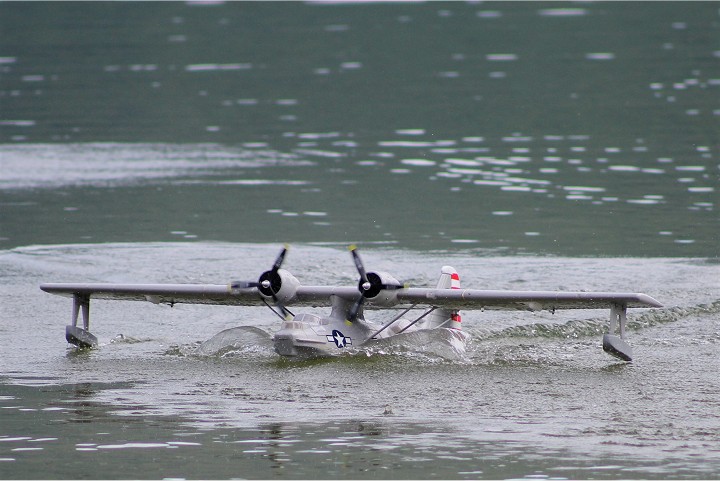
363, 284
280, 258
358, 263
369, 285
269, 282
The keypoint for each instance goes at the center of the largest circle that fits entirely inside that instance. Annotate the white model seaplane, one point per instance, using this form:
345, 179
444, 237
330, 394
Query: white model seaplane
308, 335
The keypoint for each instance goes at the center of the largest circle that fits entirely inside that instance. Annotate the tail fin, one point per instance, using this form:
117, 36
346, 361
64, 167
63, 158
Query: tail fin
449, 279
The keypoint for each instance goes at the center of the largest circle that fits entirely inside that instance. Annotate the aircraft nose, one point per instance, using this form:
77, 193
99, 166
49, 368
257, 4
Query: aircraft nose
285, 345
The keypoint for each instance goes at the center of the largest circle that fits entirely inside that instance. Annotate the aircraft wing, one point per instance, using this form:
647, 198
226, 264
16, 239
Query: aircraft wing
521, 300
318, 296
160, 293
217, 294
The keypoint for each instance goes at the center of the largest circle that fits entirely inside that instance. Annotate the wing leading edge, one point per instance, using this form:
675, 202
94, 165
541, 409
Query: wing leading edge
215, 294
318, 296
523, 300
160, 293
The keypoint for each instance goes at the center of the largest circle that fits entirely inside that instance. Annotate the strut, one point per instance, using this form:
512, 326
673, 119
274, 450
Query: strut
612, 344
80, 337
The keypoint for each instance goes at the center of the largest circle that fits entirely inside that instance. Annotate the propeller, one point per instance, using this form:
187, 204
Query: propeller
269, 282
369, 285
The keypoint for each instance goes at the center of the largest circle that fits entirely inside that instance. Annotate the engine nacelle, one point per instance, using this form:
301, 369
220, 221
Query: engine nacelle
381, 288
279, 286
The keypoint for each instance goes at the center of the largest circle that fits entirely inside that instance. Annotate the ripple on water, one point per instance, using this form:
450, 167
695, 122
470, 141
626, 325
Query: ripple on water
108, 164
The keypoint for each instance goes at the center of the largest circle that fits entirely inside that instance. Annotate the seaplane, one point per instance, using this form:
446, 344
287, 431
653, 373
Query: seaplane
307, 334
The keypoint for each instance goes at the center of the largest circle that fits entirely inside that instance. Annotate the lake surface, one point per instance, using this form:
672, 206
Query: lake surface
556, 146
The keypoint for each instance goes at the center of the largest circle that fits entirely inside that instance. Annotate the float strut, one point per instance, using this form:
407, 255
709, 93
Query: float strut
81, 337
81, 302
618, 315
612, 344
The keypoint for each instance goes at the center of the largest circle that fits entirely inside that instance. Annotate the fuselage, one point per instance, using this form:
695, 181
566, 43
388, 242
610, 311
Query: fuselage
309, 335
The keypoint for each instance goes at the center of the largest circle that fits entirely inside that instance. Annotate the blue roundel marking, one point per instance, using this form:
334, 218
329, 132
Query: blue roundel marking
339, 339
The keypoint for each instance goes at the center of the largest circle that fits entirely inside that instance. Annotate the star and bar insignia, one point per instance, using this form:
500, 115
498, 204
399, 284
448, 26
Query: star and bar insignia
339, 339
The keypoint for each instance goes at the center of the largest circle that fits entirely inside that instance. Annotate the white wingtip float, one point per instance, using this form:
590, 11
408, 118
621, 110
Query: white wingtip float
308, 335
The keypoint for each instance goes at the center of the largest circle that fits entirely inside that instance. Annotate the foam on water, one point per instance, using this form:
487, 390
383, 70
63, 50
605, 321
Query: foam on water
236, 341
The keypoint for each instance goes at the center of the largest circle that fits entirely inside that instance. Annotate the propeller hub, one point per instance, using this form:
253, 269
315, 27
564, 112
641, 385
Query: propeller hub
370, 285
270, 283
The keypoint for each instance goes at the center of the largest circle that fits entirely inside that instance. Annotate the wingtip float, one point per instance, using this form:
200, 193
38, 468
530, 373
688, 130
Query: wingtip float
310, 335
